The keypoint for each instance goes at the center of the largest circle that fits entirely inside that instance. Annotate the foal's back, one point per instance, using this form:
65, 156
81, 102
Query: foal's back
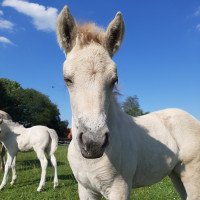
168, 139
34, 137
171, 124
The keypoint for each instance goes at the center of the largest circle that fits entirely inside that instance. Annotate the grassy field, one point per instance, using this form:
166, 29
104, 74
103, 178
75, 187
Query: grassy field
28, 171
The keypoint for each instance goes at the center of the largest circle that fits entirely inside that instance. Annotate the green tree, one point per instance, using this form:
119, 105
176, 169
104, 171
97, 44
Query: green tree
8, 92
132, 107
30, 107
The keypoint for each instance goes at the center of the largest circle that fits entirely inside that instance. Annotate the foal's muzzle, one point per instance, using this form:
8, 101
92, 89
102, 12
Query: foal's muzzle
92, 145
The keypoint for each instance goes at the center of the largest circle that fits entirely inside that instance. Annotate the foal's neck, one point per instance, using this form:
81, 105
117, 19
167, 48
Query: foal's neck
115, 114
118, 120
11, 127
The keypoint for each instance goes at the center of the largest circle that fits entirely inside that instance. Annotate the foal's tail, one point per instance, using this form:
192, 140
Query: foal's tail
54, 141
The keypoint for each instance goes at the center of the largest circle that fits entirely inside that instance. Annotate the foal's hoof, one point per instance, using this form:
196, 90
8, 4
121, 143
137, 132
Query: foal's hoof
39, 189
55, 185
12, 183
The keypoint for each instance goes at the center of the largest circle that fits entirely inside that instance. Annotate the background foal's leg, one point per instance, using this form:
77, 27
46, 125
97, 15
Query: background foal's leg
14, 174
43, 161
7, 167
3, 157
54, 163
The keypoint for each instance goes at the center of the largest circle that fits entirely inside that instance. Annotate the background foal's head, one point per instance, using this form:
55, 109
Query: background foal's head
90, 75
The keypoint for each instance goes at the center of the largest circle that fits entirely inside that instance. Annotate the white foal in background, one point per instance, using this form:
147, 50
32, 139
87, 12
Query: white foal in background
111, 152
39, 138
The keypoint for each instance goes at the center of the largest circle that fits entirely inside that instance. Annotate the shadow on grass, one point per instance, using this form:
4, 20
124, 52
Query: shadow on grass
34, 163
69, 177
66, 177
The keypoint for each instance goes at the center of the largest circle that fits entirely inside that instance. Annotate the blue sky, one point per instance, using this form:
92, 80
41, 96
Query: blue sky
159, 60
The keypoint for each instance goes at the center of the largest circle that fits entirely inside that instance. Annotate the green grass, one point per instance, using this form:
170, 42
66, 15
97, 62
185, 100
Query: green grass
28, 171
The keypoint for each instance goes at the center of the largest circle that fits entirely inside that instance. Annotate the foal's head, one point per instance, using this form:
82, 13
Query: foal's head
90, 75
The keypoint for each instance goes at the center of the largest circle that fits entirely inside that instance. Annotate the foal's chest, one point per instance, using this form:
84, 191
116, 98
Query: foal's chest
96, 175
97, 180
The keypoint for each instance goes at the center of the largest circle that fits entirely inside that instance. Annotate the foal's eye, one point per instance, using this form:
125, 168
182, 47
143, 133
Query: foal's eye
68, 81
114, 81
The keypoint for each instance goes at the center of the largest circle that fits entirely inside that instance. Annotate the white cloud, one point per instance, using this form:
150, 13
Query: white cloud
1, 12
44, 18
197, 13
5, 24
198, 27
5, 40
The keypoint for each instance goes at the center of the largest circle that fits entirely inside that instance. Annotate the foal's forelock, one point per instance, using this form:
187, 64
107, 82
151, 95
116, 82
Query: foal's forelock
88, 33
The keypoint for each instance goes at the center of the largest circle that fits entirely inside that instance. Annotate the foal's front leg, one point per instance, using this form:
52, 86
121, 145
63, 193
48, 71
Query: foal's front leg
120, 190
7, 167
14, 174
86, 194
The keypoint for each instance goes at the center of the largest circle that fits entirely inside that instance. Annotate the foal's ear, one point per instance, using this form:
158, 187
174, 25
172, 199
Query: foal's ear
66, 30
115, 33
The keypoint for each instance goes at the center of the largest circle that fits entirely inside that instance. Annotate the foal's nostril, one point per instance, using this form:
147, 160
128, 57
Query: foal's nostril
105, 140
92, 145
81, 137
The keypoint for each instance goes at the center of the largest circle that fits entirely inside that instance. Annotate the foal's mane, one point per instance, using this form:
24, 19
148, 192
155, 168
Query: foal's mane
11, 124
90, 32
